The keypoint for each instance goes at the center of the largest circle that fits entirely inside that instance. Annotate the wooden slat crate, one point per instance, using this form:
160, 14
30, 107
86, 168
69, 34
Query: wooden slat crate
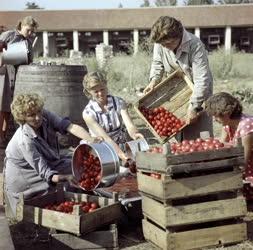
201, 173
194, 239
100, 239
173, 94
78, 222
196, 194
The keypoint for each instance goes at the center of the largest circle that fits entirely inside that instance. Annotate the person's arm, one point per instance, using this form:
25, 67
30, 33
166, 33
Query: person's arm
99, 131
157, 68
247, 142
131, 128
64, 125
224, 136
202, 79
34, 158
81, 133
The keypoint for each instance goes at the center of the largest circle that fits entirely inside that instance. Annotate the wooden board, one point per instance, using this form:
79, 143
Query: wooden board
206, 159
101, 239
6, 239
1, 189
168, 188
190, 214
33, 211
195, 239
173, 93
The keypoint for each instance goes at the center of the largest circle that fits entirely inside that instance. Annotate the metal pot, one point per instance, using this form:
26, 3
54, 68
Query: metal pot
16, 53
108, 158
132, 147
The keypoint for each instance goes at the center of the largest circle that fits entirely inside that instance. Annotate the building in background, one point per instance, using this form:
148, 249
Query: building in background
126, 29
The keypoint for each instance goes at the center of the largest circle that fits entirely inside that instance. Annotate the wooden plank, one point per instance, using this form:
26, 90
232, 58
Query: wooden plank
203, 166
205, 155
6, 240
157, 162
189, 187
51, 219
153, 162
95, 240
195, 239
33, 211
100, 217
170, 216
1, 189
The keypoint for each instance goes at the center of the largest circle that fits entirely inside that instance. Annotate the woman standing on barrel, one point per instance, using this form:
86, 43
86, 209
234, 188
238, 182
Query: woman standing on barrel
24, 32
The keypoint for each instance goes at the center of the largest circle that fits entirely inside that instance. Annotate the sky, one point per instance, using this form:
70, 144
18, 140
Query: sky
70, 4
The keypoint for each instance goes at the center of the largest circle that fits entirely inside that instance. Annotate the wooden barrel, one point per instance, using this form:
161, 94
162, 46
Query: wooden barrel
59, 85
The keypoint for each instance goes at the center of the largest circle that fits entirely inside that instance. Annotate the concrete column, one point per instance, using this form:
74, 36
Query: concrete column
228, 33
75, 40
136, 41
197, 32
106, 37
45, 44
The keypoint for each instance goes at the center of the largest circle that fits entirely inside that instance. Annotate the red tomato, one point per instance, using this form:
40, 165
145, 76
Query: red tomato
94, 205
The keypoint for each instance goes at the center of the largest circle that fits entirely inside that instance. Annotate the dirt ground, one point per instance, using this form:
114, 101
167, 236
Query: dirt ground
130, 237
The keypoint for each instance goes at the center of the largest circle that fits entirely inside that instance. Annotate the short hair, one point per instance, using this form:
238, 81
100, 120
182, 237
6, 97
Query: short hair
223, 103
164, 28
28, 20
25, 103
91, 80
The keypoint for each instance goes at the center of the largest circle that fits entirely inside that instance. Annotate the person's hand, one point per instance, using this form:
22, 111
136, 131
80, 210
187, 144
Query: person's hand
249, 180
3, 46
67, 177
138, 136
150, 87
97, 139
192, 116
131, 165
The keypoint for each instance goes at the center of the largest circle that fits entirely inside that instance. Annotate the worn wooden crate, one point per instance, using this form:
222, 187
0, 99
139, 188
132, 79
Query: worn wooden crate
78, 222
219, 235
195, 174
101, 239
173, 94
198, 195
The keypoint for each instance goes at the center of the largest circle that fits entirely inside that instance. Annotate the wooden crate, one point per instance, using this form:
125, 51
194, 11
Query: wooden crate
100, 239
195, 174
173, 94
78, 222
194, 239
197, 202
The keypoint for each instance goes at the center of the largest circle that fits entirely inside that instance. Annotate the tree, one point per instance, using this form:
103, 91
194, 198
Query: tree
199, 2
32, 5
145, 4
120, 5
165, 2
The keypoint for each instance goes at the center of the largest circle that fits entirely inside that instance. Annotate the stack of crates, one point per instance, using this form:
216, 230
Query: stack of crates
194, 200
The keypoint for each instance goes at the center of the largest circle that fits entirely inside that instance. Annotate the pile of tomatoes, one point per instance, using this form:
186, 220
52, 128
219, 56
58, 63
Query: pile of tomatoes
91, 171
67, 206
155, 175
156, 150
164, 122
189, 146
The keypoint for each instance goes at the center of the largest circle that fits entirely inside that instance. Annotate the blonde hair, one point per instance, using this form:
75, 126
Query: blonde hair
91, 80
25, 103
166, 27
28, 20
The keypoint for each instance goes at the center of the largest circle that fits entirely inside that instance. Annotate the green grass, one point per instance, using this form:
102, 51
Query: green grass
232, 73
